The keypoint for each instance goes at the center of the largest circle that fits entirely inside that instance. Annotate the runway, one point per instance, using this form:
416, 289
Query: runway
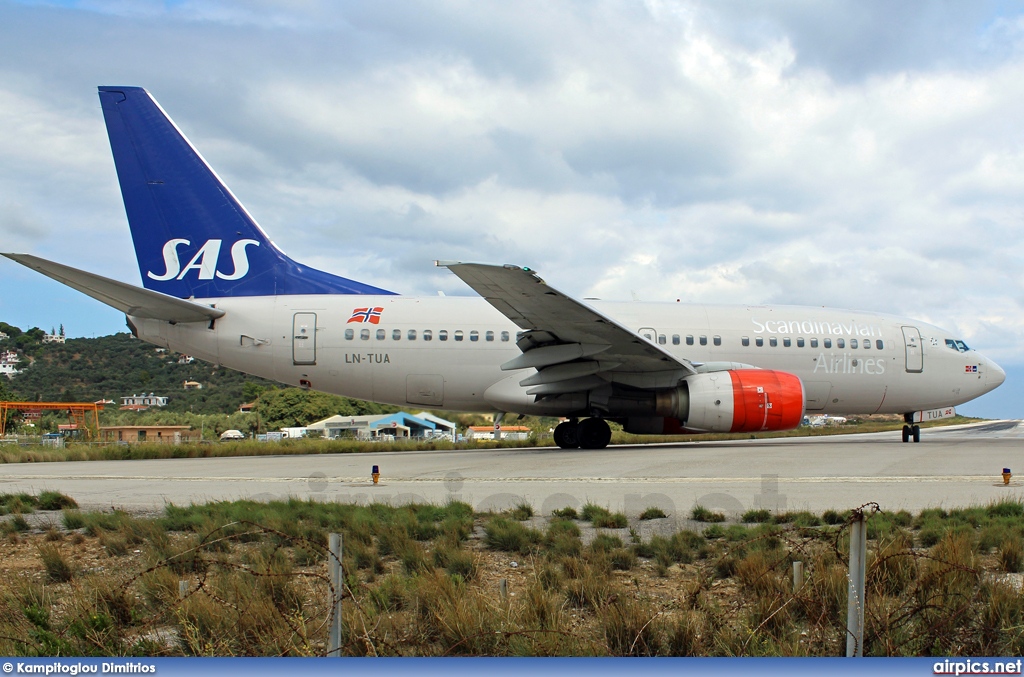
956, 466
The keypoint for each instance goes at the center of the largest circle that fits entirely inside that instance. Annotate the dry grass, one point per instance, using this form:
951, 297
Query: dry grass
418, 583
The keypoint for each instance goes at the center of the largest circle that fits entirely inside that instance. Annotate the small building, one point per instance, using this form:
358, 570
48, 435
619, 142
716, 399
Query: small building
150, 400
193, 385
53, 338
9, 362
505, 432
443, 427
160, 434
246, 408
103, 403
3, 335
186, 359
377, 426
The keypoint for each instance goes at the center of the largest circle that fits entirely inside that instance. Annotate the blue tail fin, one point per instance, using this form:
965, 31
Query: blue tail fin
192, 237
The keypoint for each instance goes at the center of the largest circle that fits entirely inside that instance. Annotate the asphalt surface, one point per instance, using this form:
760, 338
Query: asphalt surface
955, 466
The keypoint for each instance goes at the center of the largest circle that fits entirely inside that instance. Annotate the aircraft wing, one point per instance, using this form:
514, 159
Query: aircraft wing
573, 346
127, 298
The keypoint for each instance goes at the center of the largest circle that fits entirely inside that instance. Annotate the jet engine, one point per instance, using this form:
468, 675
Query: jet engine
737, 400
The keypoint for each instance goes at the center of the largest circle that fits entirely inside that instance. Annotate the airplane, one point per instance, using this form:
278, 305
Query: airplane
216, 287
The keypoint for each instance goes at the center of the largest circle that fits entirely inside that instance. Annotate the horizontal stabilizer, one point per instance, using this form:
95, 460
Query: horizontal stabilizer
127, 298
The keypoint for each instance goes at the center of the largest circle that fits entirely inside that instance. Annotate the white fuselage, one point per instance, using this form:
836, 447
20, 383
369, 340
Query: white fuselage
446, 352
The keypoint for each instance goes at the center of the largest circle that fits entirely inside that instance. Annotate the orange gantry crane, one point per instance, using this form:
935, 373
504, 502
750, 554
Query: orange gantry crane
76, 414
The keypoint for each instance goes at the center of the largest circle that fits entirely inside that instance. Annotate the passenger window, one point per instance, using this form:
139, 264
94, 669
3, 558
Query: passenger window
675, 339
879, 344
689, 339
381, 334
365, 334
840, 343
773, 342
717, 340
349, 334
442, 335
814, 343
703, 340
489, 336
867, 344
745, 340
428, 335
799, 342
396, 334
458, 334
853, 344
759, 341
504, 336
412, 334
661, 339
787, 342
474, 335
828, 343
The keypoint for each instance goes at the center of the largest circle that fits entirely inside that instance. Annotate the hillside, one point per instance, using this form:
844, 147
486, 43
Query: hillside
112, 367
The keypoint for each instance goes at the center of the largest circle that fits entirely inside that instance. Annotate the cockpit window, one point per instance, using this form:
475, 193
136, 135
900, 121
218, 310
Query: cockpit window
957, 345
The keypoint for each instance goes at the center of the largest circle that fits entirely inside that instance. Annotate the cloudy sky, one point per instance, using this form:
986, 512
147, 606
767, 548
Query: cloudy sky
863, 154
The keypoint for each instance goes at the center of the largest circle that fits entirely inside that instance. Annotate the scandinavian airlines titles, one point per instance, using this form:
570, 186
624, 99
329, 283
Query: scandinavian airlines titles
854, 328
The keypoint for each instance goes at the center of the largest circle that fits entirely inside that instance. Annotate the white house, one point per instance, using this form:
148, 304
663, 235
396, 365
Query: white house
9, 362
144, 400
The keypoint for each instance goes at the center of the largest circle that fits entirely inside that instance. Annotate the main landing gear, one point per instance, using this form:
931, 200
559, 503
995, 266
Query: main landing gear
590, 433
911, 429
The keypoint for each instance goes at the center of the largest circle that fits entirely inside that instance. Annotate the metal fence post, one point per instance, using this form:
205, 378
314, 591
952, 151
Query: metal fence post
335, 574
855, 601
798, 576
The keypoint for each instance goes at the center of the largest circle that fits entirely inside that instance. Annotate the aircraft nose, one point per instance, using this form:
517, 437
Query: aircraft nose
996, 375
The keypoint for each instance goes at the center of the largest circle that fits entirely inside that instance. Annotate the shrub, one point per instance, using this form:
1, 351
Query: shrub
1011, 554
614, 520
72, 519
590, 511
757, 516
54, 500
566, 513
522, 511
58, 569
833, 517
503, 534
702, 514
605, 543
653, 513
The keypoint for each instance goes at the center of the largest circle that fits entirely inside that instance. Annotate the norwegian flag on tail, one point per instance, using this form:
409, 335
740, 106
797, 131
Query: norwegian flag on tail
371, 315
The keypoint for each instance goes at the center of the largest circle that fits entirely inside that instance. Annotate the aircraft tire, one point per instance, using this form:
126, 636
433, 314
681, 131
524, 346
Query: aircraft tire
567, 435
906, 434
916, 432
594, 433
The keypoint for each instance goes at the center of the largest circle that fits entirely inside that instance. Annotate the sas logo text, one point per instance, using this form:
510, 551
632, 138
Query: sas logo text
205, 261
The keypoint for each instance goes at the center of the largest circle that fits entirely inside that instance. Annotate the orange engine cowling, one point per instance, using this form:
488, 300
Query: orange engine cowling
741, 400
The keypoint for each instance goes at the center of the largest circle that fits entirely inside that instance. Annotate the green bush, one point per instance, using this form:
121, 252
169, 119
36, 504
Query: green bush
702, 514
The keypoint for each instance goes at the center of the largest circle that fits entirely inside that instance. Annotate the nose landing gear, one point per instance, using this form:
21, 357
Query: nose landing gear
590, 433
910, 429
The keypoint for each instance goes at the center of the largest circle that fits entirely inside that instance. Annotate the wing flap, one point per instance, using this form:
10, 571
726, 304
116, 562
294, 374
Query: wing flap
127, 298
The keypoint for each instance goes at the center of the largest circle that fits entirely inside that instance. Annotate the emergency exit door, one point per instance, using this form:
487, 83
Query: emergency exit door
304, 338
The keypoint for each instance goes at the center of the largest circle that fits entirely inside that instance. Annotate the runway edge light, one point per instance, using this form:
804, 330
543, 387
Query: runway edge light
375, 474
1007, 475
